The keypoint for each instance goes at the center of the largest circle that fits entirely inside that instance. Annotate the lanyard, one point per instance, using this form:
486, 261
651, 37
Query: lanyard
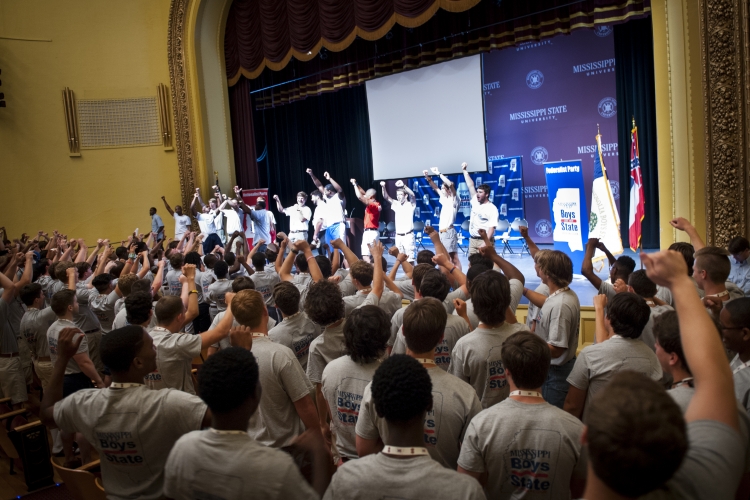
258, 334
404, 452
225, 433
741, 367
560, 290
722, 294
426, 361
528, 394
123, 385
651, 303
686, 380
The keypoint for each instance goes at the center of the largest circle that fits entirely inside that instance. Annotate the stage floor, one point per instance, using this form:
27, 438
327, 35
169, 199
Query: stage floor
525, 264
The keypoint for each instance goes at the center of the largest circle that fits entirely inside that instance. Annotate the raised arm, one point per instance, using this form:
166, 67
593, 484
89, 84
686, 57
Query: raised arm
469, 181
316, 181
359, 191
312, 264
600, 304
350, 256
431, 182
285, 271
158, 278
279, 206
452, 272
509, 270
166, 205
587, 267
535, 298
385, 193
611, 258
95, 251
335, 184
714, 387
190, 300
449, 183
193, 204
533, 249
435, 238
412, 196
378, 276
684, 225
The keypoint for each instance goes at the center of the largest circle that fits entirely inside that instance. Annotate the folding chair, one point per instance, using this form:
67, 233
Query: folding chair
515, 226
383, 234
81, 482
460, 233
418, 233
502, 232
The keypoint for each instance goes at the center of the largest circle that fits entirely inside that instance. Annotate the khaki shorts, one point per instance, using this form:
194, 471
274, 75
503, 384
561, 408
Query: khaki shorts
449, 239
405, 245
43, 370
474, 245
12, 383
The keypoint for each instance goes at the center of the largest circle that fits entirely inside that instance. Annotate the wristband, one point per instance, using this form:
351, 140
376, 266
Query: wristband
451, 271
194, 291
295, 251
310, 257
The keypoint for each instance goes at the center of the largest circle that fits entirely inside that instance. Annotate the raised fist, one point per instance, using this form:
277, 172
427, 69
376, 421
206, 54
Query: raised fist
276, 197
327, 175
382, 183
309, 171
353, 181
435, 170
464, 166
425, 172
399, 183
524, 231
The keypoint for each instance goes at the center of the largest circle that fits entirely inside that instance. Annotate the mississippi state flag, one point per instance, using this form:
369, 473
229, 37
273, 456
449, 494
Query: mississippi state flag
604, 221
637, 202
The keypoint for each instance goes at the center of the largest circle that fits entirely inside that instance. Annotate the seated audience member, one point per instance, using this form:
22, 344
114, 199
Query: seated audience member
476, 356
296, 330
635, 430
454, 401
435, 285
641, 285
344, 379
735, 326
175, 350
619, 269
402, 395
218, 289
711, 270
627, 315
286, 402
558, 323
502, 446
34, 326
224, 461
739, 248
264, 280
126, 416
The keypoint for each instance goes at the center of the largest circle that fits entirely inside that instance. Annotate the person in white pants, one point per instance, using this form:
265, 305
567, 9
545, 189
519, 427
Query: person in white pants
403, 206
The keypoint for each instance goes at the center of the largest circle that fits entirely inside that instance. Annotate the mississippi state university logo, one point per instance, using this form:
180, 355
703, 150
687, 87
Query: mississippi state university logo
603, 30
614, 186
539, 155
608, 107
535, 79
543, 228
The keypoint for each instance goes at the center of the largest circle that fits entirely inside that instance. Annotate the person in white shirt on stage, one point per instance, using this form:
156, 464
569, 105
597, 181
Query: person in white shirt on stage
449, 202
333, 197
483, 212
209, 220
403, 206
299, 217
181, 221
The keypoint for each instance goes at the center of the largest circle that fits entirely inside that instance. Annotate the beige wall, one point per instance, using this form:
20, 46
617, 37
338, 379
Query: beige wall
99, 49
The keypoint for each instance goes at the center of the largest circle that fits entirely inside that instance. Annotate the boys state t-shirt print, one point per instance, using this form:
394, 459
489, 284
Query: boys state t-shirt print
531, 462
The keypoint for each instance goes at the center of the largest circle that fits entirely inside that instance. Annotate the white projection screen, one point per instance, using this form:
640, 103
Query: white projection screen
428, 117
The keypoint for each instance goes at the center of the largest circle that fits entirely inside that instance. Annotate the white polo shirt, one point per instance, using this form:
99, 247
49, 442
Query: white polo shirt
296, 216
483, 216
404, 216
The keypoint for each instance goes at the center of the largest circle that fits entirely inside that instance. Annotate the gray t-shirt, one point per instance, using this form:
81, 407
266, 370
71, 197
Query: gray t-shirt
455, 328
326, 347
276, 422
345, 285
104, 308
86, 320
174, 356
296, 332
558, 323
476, 360
663, 293
454, 404
380, 477
34, 327
132, 430
647, 336
343, 387
741, 382
406, 287
528, 450
470, 313
533, 314
351, 302
53, 334
210, 465
172, 285
8, 340
216, 293
516, 292
121, 319
264, 283
598, 363
302, 281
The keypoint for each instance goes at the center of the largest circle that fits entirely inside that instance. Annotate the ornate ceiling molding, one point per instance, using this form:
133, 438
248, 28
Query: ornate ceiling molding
726, 90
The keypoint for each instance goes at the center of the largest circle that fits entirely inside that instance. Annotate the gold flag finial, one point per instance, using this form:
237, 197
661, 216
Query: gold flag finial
633, 121
597, 130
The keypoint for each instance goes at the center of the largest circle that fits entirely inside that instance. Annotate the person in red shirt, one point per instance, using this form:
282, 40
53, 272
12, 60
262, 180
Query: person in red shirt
372, 217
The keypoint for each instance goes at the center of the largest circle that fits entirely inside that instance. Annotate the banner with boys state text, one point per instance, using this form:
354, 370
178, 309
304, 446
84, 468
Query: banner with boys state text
567, 208
543, 101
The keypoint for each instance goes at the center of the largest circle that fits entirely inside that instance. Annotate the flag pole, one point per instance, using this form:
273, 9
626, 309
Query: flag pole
606, 177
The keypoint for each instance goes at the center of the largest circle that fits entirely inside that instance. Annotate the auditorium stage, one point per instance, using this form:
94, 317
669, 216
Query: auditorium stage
525, 264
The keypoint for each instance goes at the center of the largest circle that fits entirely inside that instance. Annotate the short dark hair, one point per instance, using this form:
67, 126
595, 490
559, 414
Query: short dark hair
117, 269
325, 265
29, 293
425, 257
209, 260
715, 261
362, 271
227, 379
102, 282
739, 311
623, 266
490, 296
667, 334
366, 333
229, 258
424, 324
324, 303
121, 252
642, 284
119, 347
248, 307
401, 389
125, 283
628, 314
476, 270
62, 300
221, 268
193, 258
259, 260
142, 285
61, 271
527, 357
302, 193
242, 283
286, 297
81, 268
176, 260
137, 307
635, 430
688, 253
168, 308
434, 284
485, 187
558, 267
478, 258
738, 244
418, 273
271, 255
300, 262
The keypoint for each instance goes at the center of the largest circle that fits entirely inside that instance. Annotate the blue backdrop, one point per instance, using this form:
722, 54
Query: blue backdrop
567, 208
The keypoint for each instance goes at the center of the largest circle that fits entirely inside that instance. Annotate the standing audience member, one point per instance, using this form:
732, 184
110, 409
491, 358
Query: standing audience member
296, 330
739, 248
735, 327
